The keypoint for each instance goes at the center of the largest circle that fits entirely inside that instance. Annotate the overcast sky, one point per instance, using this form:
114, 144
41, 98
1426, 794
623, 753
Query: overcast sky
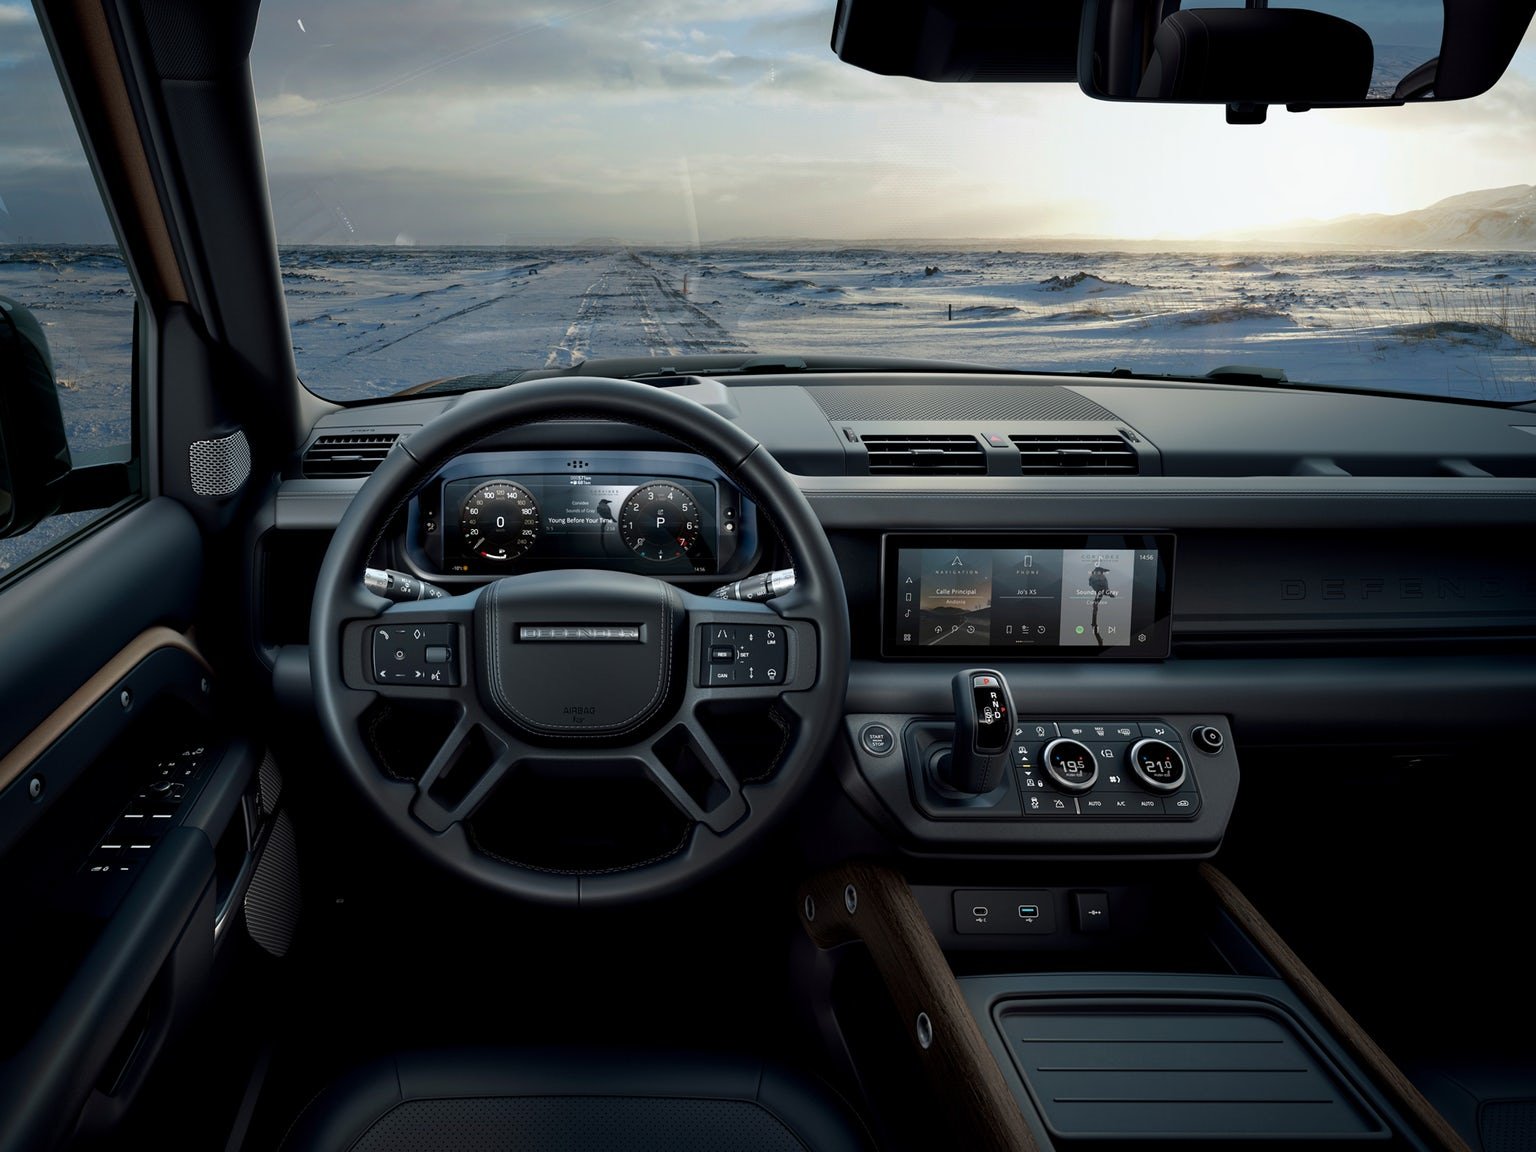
680, 121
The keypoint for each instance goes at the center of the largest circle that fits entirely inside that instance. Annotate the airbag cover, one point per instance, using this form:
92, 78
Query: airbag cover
579, 654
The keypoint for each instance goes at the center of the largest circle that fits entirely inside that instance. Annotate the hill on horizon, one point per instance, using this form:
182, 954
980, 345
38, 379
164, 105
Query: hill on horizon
1485, 219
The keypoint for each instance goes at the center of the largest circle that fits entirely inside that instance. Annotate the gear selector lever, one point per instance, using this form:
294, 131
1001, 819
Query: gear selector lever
983, 727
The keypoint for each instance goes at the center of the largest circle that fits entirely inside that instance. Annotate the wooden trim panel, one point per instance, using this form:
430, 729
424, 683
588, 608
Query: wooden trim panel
62, 718
1402, 1092
966, 1080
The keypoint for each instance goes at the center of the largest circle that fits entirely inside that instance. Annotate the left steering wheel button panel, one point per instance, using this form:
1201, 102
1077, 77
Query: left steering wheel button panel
421, 654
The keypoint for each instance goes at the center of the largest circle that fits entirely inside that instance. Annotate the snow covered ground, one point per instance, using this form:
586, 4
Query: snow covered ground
367, 322
370, 321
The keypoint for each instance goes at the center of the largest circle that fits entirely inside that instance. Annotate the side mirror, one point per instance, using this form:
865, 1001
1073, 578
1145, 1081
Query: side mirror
34, 452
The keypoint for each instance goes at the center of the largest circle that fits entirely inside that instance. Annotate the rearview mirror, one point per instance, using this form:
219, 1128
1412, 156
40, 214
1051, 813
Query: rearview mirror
1333, 53
34, 452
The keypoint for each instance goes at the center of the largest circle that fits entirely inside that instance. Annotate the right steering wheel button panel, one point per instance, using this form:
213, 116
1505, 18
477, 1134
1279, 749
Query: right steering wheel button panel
743, 655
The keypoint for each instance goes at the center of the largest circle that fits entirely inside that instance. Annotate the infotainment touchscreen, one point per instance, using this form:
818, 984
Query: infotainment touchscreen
1027, 596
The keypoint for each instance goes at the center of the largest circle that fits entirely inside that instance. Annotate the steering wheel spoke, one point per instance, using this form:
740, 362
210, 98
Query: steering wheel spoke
464, 771
701, 784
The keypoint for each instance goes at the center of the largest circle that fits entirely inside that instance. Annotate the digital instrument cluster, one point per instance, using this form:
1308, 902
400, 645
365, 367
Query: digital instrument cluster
497, 513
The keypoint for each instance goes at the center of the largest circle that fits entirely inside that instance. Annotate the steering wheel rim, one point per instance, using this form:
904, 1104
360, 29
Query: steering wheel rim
814, 616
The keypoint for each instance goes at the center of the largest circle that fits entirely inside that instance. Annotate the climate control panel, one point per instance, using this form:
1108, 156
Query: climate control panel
1073, 785
1113, 769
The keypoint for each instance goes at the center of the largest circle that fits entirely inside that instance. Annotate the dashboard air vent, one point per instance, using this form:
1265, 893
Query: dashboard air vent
337, 457
940, 455
1075, 455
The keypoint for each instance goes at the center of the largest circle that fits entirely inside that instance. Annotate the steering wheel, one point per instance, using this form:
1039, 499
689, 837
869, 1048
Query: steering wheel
582, 670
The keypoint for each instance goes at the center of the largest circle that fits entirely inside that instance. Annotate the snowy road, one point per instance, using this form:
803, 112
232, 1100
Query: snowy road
420, 316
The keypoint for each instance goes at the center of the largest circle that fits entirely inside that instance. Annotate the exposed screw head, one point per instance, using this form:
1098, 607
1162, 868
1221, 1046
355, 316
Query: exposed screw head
924, 1031
850, 900
810, 908
126, 698
35, 787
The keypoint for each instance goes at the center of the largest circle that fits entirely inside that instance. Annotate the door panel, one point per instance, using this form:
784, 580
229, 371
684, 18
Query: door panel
66, 620
125, 822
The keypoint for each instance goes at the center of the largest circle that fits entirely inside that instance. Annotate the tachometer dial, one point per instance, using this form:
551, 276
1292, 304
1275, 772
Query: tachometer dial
499, 520
660, 521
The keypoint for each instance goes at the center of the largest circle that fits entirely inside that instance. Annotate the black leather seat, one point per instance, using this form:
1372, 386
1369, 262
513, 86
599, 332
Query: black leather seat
497, 1101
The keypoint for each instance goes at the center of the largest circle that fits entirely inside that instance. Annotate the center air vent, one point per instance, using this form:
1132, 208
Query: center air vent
337, 457
943, 455
1075, 455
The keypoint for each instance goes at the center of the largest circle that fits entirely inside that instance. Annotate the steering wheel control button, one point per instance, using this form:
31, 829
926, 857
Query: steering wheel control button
1004, 912
1070, 765
420, 654
876, 739
1158, 765
743, 655
1208, 739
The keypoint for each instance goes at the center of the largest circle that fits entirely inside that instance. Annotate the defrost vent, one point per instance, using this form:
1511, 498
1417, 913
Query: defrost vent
340, 457
932, 455
1075, 456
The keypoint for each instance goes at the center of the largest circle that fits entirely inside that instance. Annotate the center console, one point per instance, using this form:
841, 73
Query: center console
1065, 977
1070, 785
996, 774
1059, 1009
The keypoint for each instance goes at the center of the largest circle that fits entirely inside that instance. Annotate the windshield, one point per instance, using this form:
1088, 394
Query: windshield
483, 187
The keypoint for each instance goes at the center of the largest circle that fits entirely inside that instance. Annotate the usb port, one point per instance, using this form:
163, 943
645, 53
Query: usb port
1029, 911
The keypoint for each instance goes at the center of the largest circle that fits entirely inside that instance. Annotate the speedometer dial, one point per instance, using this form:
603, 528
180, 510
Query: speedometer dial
499, 520
660, 521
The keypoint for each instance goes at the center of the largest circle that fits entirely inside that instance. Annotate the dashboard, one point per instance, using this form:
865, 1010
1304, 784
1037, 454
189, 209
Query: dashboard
1282, 566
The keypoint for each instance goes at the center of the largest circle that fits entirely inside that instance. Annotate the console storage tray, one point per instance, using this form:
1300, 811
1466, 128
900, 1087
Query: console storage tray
1171, 1059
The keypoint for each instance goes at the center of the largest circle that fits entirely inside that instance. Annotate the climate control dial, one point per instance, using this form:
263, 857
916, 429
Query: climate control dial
1158, 766
1070, 765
